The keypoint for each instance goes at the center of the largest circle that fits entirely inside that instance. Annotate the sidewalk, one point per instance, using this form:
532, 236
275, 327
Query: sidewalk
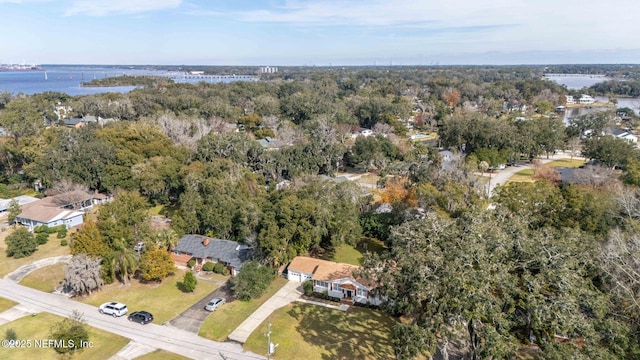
289, 293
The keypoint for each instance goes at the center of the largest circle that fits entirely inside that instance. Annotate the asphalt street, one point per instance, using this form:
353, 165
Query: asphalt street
161, 337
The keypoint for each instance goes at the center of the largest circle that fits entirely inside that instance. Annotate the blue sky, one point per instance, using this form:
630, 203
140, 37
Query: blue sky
319, 32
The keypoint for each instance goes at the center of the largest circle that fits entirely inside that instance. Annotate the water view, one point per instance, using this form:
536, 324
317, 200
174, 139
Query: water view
68, 79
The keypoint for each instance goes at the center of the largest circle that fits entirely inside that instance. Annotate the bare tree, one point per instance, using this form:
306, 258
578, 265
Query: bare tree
67, 193
186, 132
621, 262
83, 275
382, 128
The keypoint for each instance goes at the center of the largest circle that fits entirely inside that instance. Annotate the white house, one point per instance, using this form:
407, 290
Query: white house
570, 99
625, 135
47, 212
336, 279
586, 99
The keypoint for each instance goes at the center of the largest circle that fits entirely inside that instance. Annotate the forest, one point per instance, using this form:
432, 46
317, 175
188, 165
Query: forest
550, 266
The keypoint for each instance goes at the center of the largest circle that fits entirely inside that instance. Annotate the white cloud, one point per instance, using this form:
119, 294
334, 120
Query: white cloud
108, 7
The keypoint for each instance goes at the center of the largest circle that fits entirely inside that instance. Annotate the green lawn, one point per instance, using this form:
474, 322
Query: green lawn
6, 304
45, 279
353, 255
164, 210
38, 326
50, 249
305, 331
161, 354
223, 321
164, 300
568, 163
522, 176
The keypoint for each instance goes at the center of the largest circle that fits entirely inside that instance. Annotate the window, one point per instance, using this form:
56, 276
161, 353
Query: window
323, 284
336, 286
361, 292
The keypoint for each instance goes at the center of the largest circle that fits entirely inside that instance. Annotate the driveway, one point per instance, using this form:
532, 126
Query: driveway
191, 319
24, 270
155, 336
289, 293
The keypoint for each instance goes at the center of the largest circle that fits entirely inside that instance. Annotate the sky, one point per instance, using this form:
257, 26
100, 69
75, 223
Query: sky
319, 32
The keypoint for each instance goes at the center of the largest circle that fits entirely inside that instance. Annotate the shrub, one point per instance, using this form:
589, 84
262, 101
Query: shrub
208, 266
64, 243
189, 282
219, 268
191, 263
58, 228
42, 238
226, 272
41, 229
21, 243
10, 334
62, 233
307, 286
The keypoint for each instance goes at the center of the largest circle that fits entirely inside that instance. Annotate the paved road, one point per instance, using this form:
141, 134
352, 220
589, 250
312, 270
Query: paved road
289, 293
161, 337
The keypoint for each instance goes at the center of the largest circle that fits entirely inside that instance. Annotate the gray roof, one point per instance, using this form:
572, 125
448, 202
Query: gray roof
22, 200
231, 252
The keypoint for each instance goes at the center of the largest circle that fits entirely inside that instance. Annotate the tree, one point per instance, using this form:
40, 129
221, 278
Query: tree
610, 151
156, 264
14, 210
122, 261
21, 119
70, 334
252, 281
83, 275
21, 243
88, 240
167, 238
189, 282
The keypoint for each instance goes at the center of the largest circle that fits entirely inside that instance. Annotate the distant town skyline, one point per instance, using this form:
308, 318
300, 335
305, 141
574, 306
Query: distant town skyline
318, 32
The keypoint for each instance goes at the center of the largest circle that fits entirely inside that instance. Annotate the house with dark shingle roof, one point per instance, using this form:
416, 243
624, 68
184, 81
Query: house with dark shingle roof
204, 249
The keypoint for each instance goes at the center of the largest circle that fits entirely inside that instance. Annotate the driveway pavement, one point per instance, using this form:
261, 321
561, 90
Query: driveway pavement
503, 176
154, 336
191, 319
289, 293
24, 270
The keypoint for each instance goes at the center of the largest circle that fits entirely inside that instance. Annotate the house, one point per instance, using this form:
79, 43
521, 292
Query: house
570, 99
334, 279
625, 135
48, 212
204, 249
22, 200
586, 99
362, 132
67, 209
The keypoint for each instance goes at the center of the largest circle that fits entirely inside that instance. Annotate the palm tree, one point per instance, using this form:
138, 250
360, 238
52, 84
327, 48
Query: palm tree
123, 261
167, 238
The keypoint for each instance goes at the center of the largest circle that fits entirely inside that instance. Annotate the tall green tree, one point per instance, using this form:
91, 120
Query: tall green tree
21, 243
13, 211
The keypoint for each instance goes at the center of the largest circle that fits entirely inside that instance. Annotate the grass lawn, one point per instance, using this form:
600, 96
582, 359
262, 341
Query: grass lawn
50, 249
164, 210
45, 279
568, 163
6, 304
38, 326
161, 354
223, 321
353, 255
164, 300
310, 332
522, 176
370, 179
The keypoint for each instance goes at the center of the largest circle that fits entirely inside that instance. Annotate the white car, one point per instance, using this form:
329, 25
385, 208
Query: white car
113, 308
214, 304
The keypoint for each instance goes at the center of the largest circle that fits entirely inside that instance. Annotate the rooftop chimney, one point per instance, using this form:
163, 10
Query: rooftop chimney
205, 242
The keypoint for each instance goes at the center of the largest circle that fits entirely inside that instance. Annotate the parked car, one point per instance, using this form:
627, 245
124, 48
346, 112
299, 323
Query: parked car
113, 308
142, 317
214, 304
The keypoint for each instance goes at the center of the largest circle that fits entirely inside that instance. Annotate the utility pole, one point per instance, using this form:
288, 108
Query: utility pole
271, 348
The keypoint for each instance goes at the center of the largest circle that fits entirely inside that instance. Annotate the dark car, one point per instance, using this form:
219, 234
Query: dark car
141, 317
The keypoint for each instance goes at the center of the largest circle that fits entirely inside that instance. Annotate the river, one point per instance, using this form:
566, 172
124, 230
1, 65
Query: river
68, 78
